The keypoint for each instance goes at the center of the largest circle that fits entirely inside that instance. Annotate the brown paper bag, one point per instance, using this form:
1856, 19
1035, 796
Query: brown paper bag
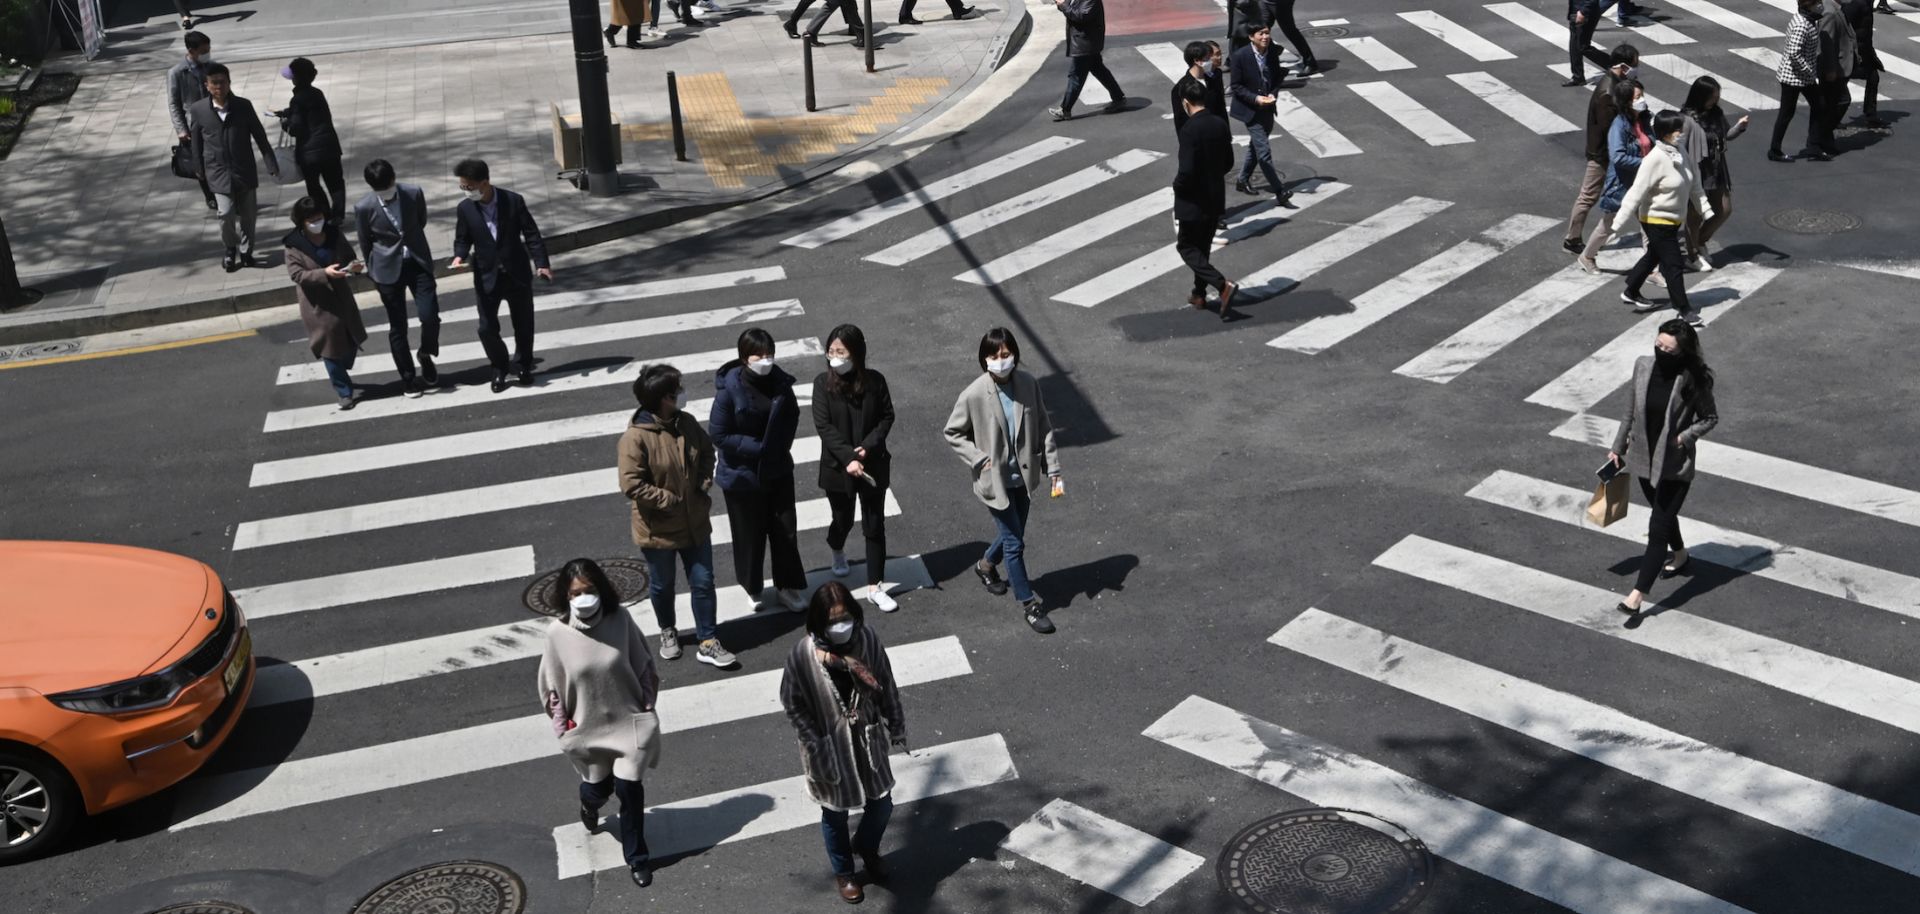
1609, 502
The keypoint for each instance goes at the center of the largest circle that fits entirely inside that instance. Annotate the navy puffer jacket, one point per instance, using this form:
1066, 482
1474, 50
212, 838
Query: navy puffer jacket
752, 426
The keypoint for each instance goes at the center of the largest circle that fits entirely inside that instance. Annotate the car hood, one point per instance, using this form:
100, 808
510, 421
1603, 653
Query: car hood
74, 615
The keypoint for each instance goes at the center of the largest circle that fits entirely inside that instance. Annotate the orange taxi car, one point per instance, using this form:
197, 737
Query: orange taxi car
121, 671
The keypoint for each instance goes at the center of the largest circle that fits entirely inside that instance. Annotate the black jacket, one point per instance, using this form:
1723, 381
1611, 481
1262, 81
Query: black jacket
518, 244
1206, 155
752, 425
834, 419
1086, 27
310, 123
1216, 98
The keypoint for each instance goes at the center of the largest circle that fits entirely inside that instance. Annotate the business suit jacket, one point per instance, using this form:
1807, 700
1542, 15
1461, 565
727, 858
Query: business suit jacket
1690, 415
833, 418
1248, 85
1206, 156
220, 147
977, 430
381, 241
519, 242
186, 84
1216, 98
1086, 27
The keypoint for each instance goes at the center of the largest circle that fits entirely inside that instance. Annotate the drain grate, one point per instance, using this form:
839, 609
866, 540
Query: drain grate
458, 887
1813, 221
1325, 861
629, 577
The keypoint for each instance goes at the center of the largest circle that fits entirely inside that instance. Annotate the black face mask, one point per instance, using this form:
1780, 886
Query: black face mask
1669, 362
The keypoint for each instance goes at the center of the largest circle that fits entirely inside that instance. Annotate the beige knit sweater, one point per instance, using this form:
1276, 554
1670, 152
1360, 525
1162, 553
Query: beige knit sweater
607, 684
1665, 185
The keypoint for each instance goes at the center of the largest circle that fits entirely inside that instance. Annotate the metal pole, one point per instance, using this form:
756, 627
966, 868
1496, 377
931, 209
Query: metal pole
673, 107
596, 128
867, 7
806, 65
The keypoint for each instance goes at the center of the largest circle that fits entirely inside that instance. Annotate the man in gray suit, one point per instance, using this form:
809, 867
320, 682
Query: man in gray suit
392, 224
186, 84
221, 125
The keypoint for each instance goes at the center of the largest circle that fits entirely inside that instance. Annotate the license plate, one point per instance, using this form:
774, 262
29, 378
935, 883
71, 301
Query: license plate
238, 666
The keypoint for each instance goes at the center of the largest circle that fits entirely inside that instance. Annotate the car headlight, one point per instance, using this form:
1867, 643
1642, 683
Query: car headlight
137, 694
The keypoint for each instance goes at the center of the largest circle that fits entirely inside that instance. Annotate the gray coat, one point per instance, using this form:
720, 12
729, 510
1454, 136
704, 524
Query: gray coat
977, 431
186, 84
846, 766
1693, 414
381, 241
1086, 27
220, 146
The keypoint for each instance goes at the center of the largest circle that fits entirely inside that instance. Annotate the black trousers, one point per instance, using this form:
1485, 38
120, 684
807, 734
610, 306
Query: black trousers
1280, 12
334, 198
633, 799
1870, 106
873, 525
847, 14
426, 301
763, 521
1579, 35
519, 299
1818, 137
1663, 523
1078, 69
953, 6
1663, 248
1194, 241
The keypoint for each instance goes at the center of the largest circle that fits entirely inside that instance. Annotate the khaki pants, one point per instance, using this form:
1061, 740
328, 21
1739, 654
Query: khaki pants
1590, 183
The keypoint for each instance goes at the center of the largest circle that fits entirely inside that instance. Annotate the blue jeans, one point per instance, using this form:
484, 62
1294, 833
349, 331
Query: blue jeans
633, 799
1011, 544
660, 582
337, 374
1078, 68
840, 848
1258, 150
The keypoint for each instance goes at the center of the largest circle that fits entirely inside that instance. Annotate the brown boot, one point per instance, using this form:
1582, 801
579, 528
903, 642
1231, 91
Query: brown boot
849, 889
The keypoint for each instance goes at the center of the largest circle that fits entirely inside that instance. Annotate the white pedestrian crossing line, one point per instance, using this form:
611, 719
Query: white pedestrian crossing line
1571, 875
1791, 565
936, 191
1475, 342
1793, 669
388, 664
1377, 55
387, 582
1907, 70
1660, 34
1309, 129
551, 382
417, 760
1169, 59
1726, 18
1323, 23
1827, 487
1111, 856
1785, 799
569, 337
1653, 104
1730, 91
1059, 244
698, 823
653, 288
1417, 118
1246, 224
1388, 298
974, 223
1291, 270
1611, 366
1553, 32
1508, 101
1462, 38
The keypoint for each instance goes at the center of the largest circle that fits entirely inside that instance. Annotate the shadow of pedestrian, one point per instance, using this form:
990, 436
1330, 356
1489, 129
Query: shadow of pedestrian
933, 850
1060, 586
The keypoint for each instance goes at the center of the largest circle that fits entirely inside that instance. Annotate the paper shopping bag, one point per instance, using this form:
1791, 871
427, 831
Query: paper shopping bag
1609, 502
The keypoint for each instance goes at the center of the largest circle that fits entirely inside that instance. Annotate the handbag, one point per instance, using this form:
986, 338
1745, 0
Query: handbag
284, 159
1609, 502
183, 161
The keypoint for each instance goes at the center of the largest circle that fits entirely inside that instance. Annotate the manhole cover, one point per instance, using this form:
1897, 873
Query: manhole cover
1813, 221
1325, 861
40, 350
460, 887
1325, 31
629, 577
204, 907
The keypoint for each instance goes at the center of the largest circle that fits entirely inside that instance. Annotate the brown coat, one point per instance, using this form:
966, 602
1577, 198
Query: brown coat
627, 12
665, 471
327, 308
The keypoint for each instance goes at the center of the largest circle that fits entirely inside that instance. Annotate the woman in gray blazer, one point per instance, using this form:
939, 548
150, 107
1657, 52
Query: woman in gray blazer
1669, 408
1001, 430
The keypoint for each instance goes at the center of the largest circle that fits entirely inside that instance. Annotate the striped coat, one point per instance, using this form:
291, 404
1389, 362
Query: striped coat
1799, 62
846, 766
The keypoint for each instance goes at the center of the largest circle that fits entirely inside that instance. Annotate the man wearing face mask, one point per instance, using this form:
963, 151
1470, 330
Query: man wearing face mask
187, 84
1622, 63
754, 417
392, 223
1201, 68
495, 228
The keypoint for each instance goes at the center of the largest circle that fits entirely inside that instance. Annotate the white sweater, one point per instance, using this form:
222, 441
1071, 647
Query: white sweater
1666, 183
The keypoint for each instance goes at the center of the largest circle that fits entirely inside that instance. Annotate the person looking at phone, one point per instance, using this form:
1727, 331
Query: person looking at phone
1669, 409
318, 257
494, 229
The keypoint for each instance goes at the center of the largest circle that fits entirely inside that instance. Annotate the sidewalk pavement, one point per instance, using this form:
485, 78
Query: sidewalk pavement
99, 223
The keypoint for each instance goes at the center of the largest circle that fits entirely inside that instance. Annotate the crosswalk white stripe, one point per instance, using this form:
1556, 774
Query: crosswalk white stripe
387, 582
1529, 858
591, 334
974, 223
1726, 18
1907, 70
938, 190
1686, 71
1377, 55
1791, 565
1142, 270
1653, 104
692, 824
1111, 856
1785, 799
1660, 34
652, 288
1059, 244
1528, 113
1609, 367
281, 420
1388, 298
1786, 666
1553, 32
1169, 59
1828, 487
384, 766
1309, 129
1452, 356
1417, 118
1291, 270
1462, 38
387, 664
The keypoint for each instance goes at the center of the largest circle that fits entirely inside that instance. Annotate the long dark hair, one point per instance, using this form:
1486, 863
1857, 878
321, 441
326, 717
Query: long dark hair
853, 384
582, 570
820, 608
1692, 361
1705, 89
1623, 98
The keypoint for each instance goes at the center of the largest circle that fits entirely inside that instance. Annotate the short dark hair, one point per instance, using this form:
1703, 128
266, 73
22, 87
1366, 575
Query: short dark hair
380, 174
820, 607
197, 40
1251, 28
217, 69
582, 570
993, 340
1195, 92
1668, 121
303, 71
306, 208
755, 341
1213, 45
1622, 53
655, 383
471, 169
1196, 51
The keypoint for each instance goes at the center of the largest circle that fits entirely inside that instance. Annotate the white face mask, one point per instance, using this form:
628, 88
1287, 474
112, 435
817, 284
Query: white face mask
1000, 367
386, 196
840, 632
204, 59
317, 226
1206, 67
840, 366
473, 194
761, 367
1640, 106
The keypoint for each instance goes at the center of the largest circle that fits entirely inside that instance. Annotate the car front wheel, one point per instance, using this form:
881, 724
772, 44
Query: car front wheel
38, 805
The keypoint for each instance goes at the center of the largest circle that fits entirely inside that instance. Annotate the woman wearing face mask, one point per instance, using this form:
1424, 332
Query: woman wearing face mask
1628, 142
1669, 409
999, 427
1705, 142
318, 261
853, 412
840, 696
597, 684
1663, 190
754, 417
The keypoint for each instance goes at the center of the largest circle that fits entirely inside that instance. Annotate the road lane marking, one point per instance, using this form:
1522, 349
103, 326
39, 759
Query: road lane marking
1309, 129
1291, 270
1377, 55
1111, 856
1474, 343
620, 294
1056, 245
1685, 71
1417, 118
1462, 38
385, 583
1725, 18
1508, 101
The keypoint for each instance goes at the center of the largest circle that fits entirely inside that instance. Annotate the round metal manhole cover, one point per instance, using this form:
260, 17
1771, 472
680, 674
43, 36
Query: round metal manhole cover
460, 887
40, 350
204, 907
629, 577
1813, 221
1325, 31
1325, 861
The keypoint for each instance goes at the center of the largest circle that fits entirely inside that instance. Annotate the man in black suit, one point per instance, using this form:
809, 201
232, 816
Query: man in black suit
493, 228
1256, 82
1200, 193
1201, 63
392, 222
220, 126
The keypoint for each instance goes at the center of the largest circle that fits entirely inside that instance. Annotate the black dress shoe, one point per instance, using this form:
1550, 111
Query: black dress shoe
1245, 188
990, 577
793, 31
429, 375
1284, 198
909, 20
641, 873
230, 263
610, 32
633, 39
524, 377
591, 819
1818, 155
246, 260
1622, 607
967, 13
854, 31
1779, 157
499, 381
1575, 81
814, 40
859, 45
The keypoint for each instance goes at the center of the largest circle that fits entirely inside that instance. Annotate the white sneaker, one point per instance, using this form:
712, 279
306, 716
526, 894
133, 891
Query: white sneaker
1702, 265
840, 568
881, 600
795, 600
709, 6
